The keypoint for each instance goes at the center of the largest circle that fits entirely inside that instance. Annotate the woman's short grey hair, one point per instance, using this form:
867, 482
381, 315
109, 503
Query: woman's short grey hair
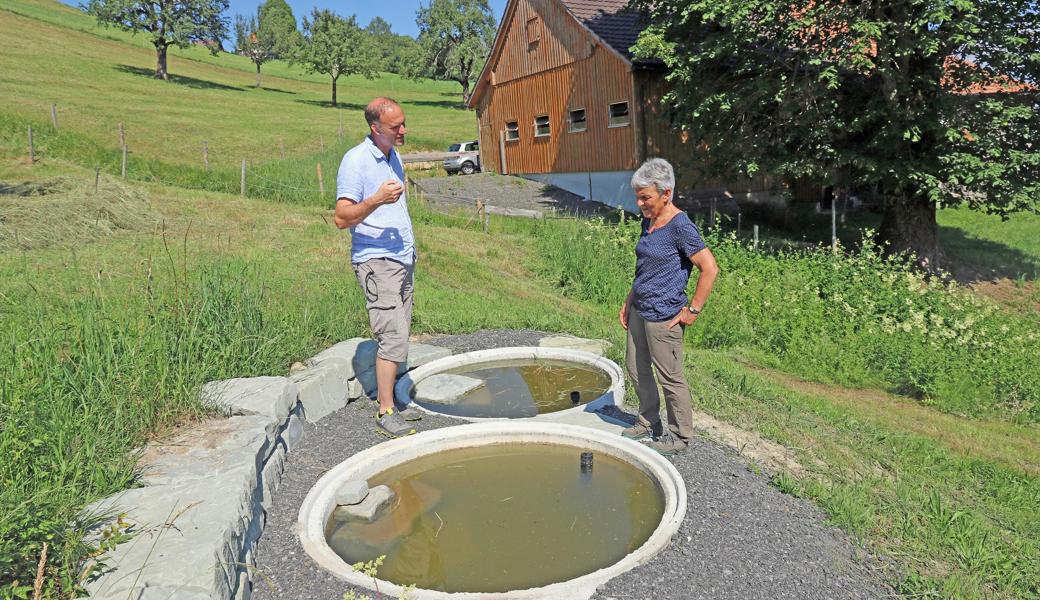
655, 172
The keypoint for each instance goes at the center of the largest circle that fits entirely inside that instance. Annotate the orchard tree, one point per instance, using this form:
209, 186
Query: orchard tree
179, 23
254, 42
335, 47
276, 19
931, 103
395, 52
455, 37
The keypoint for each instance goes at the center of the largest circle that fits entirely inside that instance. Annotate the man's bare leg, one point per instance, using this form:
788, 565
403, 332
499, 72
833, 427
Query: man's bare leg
386, 374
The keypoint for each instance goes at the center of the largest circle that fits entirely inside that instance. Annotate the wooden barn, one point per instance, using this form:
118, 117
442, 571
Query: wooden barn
562, 100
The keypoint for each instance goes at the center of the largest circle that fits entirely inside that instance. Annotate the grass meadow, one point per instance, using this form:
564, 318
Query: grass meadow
914, 404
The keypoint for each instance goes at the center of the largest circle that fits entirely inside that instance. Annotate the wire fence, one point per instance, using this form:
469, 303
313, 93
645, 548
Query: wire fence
298, 179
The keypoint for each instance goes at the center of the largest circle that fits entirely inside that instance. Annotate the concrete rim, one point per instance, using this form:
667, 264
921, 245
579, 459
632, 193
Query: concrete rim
317, 507
614, 395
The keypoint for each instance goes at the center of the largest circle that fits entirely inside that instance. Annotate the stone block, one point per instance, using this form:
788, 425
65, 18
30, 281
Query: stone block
598, 347
445, 388
378, 499
270, 396
323, 390
196, 515
352, 492
272, 476
344, 354
418, 355
293, 431
355, 390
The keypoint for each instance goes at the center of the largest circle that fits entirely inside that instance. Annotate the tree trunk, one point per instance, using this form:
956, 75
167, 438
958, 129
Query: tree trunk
465, 89
160, 62
908, 226
333, 92
257, 74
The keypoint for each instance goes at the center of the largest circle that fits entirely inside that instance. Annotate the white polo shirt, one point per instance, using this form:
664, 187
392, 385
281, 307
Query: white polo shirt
387, 232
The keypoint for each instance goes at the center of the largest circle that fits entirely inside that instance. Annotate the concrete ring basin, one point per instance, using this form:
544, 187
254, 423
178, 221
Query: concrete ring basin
320, 503
614, 394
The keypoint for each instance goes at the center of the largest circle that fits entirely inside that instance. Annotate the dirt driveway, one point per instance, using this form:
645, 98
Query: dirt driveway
507, 195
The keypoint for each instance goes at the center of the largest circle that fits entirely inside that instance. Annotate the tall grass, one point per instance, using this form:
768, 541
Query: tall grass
93, 367
858, 319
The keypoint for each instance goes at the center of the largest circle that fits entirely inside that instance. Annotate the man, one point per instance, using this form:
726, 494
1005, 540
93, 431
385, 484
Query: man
370, 201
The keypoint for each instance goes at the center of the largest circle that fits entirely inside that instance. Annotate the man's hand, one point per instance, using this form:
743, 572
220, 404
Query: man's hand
623, 316
389, 192
685, 316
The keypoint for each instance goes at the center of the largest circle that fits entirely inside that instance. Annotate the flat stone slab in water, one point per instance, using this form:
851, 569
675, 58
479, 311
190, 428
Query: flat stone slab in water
352, 492
368, 509
445, 388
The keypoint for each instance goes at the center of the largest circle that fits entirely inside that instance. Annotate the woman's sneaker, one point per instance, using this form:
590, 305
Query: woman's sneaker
391, 424
669, 444
639, 431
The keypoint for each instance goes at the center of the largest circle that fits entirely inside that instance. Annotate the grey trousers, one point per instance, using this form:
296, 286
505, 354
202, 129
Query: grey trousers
652, 344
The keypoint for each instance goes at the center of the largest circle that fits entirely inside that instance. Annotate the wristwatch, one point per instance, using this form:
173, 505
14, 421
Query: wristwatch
693, 310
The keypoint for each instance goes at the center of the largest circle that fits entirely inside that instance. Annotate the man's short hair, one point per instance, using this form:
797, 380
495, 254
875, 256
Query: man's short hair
377, 107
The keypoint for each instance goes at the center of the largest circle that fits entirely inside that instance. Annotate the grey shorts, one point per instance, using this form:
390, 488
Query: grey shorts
387, 285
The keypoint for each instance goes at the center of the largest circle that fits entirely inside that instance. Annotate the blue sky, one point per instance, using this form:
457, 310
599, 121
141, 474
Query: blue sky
399, 13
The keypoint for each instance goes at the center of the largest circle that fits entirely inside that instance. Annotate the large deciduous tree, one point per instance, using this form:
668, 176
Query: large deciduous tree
929, 102
253, 40
395, 52
335, 46
455, 37
276, 19
167, 23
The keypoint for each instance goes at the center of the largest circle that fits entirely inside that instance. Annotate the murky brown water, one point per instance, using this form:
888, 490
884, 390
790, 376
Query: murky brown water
525, 388
503, 517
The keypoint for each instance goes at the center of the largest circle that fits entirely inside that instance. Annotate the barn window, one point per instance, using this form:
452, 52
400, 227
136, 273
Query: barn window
534, 32
512, 131
576, 121
618, 114
541, 126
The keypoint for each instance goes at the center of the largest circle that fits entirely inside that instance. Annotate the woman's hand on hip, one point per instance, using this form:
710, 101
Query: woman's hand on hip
685, 317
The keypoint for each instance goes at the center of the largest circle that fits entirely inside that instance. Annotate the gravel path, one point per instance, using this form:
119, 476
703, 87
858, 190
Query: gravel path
741, 537
505, 194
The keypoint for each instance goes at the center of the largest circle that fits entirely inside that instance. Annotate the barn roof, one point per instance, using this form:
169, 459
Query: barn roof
612, 20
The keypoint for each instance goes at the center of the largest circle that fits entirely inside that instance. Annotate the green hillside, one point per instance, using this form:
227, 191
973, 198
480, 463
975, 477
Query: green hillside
101, 77
912, 404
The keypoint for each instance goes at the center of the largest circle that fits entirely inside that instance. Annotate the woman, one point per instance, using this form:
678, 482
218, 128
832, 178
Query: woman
657, 311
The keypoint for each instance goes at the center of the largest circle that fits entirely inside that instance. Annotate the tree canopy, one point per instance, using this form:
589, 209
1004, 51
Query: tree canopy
335, 46
928, 102
180, 23
276, 19
395, 52
455, 37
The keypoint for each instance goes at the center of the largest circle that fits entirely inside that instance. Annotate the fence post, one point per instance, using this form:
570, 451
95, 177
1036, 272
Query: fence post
321, 182
54, 115
712, 213
123, 168
341, 129
122, 136
321, 139
32, 151
97, 176
242, 181
834, 226
756, 237
738, 223
205, 155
